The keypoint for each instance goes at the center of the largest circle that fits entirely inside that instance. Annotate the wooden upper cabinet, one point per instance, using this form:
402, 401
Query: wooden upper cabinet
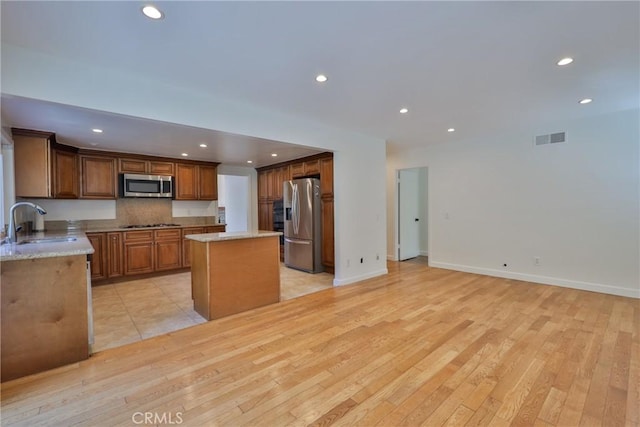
311, 167
276, 184
98, 179
263, 187
142, 166
65, 175
207, 182
297, 170
132, 166
161, 168
326, 177
186, 182
31, 152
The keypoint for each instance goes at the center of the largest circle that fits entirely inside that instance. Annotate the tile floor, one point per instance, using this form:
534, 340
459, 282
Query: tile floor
131, 311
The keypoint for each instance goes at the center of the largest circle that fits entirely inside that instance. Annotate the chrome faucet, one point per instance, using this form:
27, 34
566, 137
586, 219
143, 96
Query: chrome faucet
11, 233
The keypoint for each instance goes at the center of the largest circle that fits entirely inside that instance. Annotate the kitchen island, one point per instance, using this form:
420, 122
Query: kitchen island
234, 272
44, 303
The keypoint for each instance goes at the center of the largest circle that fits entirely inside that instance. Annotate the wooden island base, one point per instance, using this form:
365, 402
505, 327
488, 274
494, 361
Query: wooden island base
234, 272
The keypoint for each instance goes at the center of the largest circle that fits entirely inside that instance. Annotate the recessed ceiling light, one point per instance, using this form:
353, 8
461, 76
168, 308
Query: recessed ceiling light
321, 78
404, 110
94, 144
274, 155
565, 61
96, 130
203, 145
185, 155
451, 130
152, 12
585, 101
249, 161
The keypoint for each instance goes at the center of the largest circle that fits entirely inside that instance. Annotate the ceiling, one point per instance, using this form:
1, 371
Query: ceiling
478, 67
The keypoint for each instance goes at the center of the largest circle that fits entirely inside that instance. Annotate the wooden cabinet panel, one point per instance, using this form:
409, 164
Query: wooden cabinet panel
186, 182
115, 257
132, 166
311, 167
186, 245
142, 166
297, 170
32, 165
207, 182
215, 228
98, 177
326, 177
277, 180
98, 258
65, 175
265, 215
168, 256
138, 257
263, 187
327, 234
138, 252
161, 168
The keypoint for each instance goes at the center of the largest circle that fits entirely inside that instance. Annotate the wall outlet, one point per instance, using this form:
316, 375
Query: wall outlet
348, 263
361, 260
377, 257
536, 261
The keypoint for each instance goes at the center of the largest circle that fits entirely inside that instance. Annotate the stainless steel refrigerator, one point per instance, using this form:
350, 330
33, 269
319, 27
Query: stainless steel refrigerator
302, 225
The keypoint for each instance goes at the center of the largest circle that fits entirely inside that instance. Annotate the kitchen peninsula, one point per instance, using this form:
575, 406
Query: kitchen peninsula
46, 319
234, 272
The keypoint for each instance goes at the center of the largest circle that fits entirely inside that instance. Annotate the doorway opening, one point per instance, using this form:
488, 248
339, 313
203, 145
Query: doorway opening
412, 231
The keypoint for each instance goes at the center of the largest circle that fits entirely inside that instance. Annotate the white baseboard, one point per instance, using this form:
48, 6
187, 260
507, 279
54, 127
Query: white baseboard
424, 253
545, 280
349, 280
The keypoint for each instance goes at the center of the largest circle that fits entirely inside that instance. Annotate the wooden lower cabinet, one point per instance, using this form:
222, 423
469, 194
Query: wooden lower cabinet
215, 228
115, 257
99, 256
167, 249
139, 252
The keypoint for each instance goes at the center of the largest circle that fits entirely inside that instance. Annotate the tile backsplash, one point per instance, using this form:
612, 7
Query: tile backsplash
136, 211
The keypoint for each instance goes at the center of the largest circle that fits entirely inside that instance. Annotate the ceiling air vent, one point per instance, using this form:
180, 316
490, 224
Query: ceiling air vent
551, 138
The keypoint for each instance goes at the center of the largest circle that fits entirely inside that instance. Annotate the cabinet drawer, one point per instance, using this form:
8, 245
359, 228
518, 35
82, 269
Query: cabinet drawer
215, 229
138, 236
312, 167
171, 234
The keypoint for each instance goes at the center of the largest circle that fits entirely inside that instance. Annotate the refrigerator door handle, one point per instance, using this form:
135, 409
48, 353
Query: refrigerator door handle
296, 206
298, 242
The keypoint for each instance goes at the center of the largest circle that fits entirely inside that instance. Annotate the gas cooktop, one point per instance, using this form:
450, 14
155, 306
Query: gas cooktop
149, 225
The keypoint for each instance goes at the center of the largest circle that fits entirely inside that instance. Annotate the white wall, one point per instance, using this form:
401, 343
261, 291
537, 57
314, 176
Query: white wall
227, 170
359, 161
233, 194
8, 188
575, 205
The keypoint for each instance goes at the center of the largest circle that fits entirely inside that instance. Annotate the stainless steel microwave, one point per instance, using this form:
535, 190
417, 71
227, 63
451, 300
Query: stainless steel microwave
135, 185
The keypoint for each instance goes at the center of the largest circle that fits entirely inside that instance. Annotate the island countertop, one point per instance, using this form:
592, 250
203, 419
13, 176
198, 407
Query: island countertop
233, 235
18, 251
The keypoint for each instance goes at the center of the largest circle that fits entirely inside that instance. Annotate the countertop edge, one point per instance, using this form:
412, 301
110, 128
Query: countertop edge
237, 235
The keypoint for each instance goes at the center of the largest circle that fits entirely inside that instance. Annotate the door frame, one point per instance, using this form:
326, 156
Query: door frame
397, 207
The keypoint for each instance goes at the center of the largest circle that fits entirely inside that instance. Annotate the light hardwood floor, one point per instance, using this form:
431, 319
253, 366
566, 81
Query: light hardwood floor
419, 346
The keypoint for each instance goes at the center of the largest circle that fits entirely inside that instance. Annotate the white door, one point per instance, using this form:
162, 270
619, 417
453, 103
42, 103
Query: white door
408, 214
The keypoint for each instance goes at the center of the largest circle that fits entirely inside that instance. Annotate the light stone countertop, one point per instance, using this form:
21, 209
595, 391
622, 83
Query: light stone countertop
125, 228
234, 235
17, 251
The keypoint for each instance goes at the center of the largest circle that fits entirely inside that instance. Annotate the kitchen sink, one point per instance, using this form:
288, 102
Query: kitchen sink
49, 240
